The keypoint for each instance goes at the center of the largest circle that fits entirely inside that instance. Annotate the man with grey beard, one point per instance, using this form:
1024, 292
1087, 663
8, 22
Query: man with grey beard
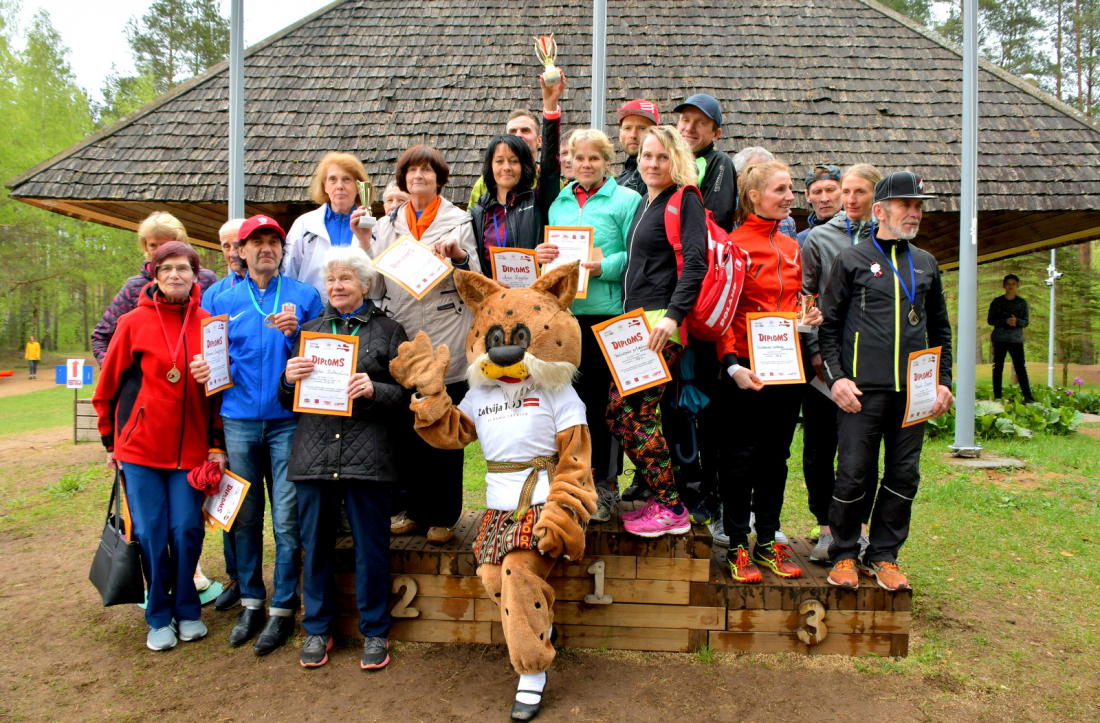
884, 300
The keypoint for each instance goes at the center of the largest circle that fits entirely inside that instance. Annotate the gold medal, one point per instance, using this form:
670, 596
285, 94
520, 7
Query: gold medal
174, 374
914, 318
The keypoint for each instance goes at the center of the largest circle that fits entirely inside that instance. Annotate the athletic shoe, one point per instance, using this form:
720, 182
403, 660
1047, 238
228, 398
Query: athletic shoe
864, 543
699, 514
815, 533
606, 501
315, 651
161, 638
192, 630
777, 557
887, 574
718, 534
402, 525
742, 568
660, 520
844, 574
821, 549
375, 654
636, 493
640, 512
202, 582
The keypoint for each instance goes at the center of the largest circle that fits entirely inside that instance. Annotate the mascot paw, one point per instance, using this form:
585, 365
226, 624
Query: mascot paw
559, 532
418, 366
550, 541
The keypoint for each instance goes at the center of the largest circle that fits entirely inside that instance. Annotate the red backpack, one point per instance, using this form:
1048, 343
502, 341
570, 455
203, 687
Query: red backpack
717, 301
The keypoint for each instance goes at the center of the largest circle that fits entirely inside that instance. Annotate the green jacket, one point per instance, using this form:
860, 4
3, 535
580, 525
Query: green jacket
610, 212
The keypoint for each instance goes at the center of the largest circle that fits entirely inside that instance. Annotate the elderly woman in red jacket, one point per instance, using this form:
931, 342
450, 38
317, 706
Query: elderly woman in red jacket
157, 425
752, 463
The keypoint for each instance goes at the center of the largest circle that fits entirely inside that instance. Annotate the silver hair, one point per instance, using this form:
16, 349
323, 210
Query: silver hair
353, 258
741, 160
391, 186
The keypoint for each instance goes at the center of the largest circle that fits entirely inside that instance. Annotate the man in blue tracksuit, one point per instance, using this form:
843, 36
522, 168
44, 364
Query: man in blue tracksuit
265, 311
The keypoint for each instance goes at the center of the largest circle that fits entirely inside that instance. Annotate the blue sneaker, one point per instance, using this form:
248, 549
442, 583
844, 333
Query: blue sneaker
191, 630
162, 638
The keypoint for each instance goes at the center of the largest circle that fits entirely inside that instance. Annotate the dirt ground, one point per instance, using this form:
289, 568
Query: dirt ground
70, 659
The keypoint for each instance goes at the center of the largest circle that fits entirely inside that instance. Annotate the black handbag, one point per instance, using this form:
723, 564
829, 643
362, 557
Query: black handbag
116, 567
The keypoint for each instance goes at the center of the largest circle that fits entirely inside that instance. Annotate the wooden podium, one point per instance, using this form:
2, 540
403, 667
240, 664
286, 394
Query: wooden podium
631, 593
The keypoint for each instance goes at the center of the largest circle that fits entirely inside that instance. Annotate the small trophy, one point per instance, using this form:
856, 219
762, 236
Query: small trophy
808, 302
547, 50
366, 197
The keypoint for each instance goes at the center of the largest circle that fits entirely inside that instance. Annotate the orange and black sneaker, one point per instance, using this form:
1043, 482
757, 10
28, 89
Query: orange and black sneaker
844, 574
777, 557
742, 568
887, 574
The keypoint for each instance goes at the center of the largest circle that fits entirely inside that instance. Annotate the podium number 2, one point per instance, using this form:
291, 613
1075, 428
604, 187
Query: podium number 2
402, 608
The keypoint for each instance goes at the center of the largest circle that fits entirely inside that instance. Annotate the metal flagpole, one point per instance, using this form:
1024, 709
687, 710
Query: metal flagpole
965, 445
236, 109
1052, 276
599, 63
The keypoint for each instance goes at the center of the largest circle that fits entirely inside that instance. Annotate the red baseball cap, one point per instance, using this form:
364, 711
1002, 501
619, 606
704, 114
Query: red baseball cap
639, 107
259, 223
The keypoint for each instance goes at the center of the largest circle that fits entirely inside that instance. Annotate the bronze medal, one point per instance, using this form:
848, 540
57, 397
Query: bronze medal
269, 321
174, 374
914, 318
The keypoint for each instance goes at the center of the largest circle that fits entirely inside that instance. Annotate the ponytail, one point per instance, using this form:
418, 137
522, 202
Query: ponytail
755, 178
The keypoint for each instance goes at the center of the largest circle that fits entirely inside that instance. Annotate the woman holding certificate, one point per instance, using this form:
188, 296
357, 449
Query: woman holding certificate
594, 200
432, 477
157, 425
348, 459
764, 374
650, 281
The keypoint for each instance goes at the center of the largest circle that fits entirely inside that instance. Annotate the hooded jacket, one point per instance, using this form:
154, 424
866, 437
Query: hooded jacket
127, 299
719, 186
823, 243
631, 177
866, 335
306, 245
610, 213
144, 418
258, 353
441, 313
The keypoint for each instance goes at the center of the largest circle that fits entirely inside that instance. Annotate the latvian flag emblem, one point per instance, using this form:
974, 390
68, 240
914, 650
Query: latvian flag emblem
531, 401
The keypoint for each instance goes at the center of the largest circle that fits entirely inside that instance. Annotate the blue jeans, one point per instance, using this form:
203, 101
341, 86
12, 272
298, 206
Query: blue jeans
167, 515
250, 444
369, 516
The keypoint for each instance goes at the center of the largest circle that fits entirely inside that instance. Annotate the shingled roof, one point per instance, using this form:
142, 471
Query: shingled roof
837, 81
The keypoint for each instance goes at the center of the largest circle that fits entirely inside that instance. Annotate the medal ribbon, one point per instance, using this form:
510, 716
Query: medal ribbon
502, 241
278, 289
183, 330
910, 295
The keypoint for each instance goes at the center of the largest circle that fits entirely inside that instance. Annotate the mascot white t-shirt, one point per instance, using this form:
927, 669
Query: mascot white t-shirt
519, 431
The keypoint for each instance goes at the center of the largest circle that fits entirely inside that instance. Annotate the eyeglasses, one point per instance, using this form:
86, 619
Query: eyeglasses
180, 269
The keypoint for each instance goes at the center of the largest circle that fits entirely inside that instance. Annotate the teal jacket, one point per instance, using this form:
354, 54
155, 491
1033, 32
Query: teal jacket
610, 212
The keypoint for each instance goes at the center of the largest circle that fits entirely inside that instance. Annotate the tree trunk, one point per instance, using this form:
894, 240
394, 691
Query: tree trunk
1058, 53
56, 333
1077, 52
1086, 317
84, 315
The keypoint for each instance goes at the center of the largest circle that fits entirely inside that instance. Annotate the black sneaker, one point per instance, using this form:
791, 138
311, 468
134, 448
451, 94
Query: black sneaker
636, 493
315, 651
278, 630
376, 654
230, 597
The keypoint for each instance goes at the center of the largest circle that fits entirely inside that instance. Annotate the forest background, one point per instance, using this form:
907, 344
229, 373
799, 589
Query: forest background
57, 275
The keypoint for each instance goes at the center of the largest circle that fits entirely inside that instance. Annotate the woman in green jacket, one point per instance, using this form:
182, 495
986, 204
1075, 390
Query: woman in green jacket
594, 199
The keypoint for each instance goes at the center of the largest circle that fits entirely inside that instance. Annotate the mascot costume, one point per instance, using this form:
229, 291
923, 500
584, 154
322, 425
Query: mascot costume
524, 348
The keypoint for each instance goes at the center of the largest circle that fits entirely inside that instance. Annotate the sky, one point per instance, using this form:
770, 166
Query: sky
93, 31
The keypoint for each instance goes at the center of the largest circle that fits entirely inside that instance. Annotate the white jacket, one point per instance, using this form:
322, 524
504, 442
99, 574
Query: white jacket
307, 243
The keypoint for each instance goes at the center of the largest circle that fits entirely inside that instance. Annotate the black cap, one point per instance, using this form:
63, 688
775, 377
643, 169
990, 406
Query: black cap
705, 103
831, 173
903, 184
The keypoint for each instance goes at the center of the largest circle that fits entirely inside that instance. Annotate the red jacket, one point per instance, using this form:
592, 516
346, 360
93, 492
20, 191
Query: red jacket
773, 278
143, 418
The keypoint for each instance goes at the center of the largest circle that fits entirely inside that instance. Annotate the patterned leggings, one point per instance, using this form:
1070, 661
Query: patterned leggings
633, 421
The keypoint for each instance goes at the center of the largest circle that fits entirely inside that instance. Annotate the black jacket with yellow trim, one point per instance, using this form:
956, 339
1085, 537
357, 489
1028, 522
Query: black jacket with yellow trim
866, 335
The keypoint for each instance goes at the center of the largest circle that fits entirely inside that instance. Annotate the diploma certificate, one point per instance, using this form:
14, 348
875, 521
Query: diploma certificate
325, 390
516, 268
220, 510
412, 265
574, 244
623, 343
921, 385
215, 350
774, 350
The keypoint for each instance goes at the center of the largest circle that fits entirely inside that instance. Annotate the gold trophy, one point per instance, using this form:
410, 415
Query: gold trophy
807, 301
547, 50
366, 197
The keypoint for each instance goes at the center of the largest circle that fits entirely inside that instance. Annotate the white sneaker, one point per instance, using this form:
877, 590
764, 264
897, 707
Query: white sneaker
718, 532
202, 582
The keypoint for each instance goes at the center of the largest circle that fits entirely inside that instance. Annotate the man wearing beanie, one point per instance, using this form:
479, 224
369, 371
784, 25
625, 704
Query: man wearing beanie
634, 117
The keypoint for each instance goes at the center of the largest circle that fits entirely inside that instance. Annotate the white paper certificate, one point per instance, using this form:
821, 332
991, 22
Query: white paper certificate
221, 509
774, 347
215, 350
922, 385
412, 265
516, 268
574, 244
325, 390
623, 343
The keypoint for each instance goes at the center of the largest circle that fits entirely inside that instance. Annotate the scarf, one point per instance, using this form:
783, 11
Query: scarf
417, 226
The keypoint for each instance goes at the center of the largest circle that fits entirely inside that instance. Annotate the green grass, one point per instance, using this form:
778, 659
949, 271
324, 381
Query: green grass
39, 410
73, 482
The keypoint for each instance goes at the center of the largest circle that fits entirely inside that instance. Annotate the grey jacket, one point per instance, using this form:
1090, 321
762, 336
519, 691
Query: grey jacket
441, 313
823, 243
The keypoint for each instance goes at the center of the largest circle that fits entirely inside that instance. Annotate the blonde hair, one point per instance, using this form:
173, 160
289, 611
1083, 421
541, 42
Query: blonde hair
684, 170
596, 139
161, 225
755, 178
863, 170
346, 161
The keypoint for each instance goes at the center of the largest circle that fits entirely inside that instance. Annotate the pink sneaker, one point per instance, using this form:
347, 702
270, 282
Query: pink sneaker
640, 512
659, 520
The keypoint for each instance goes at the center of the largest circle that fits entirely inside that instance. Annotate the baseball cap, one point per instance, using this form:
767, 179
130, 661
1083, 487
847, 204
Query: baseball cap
705, 103
831, 173
640, 107
902, 184
259, 223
